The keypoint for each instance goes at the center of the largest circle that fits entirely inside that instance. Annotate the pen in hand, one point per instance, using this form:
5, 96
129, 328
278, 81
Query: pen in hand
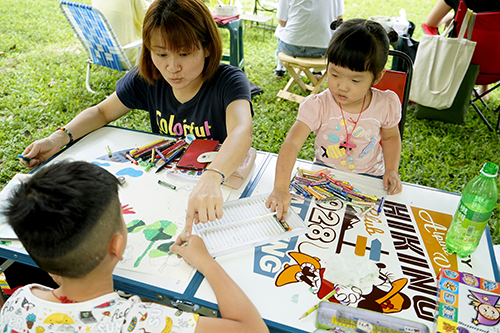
26, 159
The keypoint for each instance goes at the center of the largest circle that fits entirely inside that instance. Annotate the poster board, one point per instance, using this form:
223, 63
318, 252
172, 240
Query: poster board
148, 207
405, 243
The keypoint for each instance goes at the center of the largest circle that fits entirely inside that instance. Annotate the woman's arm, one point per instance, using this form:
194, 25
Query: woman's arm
280, 199
85, 122
205, 201
438, 13
391, 148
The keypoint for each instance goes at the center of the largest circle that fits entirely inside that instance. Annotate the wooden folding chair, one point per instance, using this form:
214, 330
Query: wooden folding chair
296, 66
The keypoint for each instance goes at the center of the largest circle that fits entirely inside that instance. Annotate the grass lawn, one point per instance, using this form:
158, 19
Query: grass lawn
42, 75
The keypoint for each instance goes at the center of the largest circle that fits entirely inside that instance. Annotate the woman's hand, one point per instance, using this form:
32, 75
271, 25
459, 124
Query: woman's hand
205, 201
41, 150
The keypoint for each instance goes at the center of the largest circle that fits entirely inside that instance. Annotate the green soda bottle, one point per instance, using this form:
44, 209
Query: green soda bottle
479, 197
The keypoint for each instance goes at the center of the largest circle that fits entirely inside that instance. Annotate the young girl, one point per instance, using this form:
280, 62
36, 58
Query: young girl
351, 117
186, 90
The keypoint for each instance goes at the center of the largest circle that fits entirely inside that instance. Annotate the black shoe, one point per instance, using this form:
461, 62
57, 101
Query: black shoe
279, 73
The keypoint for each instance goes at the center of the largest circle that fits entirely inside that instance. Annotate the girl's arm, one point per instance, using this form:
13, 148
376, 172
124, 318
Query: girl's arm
391, 148
85, 122
205, 201
280, 199
237, 311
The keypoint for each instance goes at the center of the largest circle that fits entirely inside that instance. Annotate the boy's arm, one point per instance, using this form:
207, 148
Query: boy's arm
279, 200
391, 148
237, 311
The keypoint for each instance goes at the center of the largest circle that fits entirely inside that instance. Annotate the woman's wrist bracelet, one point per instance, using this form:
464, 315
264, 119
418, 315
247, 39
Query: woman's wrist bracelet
67, 132
219, 172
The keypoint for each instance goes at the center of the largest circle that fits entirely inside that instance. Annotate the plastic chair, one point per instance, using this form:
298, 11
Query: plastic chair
236, 55
399, 82
295, 67
98, 38
486, 34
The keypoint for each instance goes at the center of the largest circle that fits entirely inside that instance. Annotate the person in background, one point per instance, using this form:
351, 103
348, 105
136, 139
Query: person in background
186, 90
356, 125
442, 13
304, 28
125, 17
69, 219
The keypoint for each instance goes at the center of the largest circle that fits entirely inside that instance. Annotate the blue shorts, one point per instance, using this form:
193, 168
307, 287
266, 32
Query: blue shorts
300, 51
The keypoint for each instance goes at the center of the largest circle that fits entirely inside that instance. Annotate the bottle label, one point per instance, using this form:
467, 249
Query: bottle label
466, 213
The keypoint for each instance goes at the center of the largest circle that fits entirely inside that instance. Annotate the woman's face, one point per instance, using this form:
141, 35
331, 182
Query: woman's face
182, 69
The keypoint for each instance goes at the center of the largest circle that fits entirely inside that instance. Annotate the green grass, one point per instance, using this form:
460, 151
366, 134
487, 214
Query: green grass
42, 75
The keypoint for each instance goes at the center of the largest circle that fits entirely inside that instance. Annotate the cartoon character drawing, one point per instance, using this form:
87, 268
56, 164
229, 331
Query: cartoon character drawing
450, 286
385, 297
307, 270
387, 301
488, 285
471, 280
488, 312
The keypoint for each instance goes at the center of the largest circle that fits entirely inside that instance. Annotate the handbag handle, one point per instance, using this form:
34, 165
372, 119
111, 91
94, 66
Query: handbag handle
470, 27
463, 28
465, 24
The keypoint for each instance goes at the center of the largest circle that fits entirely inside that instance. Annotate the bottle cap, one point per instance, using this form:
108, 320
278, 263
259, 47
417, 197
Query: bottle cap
489, 170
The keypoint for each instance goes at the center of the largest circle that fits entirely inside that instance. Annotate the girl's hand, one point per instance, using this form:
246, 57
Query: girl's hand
205, 201
278, 202
392, 183
40, 151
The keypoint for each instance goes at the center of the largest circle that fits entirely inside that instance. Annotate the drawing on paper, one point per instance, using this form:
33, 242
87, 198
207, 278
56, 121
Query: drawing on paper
158, 231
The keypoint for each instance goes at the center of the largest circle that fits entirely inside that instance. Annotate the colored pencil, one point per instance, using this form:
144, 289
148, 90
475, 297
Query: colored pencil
170, 159
311, 310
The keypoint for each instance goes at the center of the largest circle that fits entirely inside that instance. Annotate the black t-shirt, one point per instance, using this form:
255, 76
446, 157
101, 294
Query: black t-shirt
204, 115
478, 6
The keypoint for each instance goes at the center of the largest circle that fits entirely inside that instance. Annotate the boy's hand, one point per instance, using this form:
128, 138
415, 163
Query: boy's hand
192, 249
278, 202
392, 183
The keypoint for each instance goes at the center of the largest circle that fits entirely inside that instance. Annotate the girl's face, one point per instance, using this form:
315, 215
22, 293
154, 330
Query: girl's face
182, 69
348, 87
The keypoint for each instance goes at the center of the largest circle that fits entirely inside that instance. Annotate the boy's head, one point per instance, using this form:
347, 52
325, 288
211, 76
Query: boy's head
359, 45
65, 215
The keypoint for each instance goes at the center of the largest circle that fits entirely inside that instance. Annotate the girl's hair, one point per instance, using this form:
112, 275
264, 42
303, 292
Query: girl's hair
184, 25
359, 45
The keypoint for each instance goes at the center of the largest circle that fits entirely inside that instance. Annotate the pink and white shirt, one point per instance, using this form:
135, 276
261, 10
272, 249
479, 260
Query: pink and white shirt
323, 116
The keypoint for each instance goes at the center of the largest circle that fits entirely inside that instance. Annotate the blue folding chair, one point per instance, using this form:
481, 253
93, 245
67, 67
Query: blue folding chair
98, 38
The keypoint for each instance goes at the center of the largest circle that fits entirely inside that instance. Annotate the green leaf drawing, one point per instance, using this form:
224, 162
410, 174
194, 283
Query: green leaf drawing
160, 230
161, 250
135, 226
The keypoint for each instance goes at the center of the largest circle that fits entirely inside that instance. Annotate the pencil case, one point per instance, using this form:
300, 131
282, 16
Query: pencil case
350, 319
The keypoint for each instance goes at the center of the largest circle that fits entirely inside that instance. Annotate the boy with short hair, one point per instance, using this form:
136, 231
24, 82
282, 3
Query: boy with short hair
68, 217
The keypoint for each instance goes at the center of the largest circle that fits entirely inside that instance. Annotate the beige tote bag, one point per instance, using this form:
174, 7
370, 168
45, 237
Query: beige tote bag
440, 66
